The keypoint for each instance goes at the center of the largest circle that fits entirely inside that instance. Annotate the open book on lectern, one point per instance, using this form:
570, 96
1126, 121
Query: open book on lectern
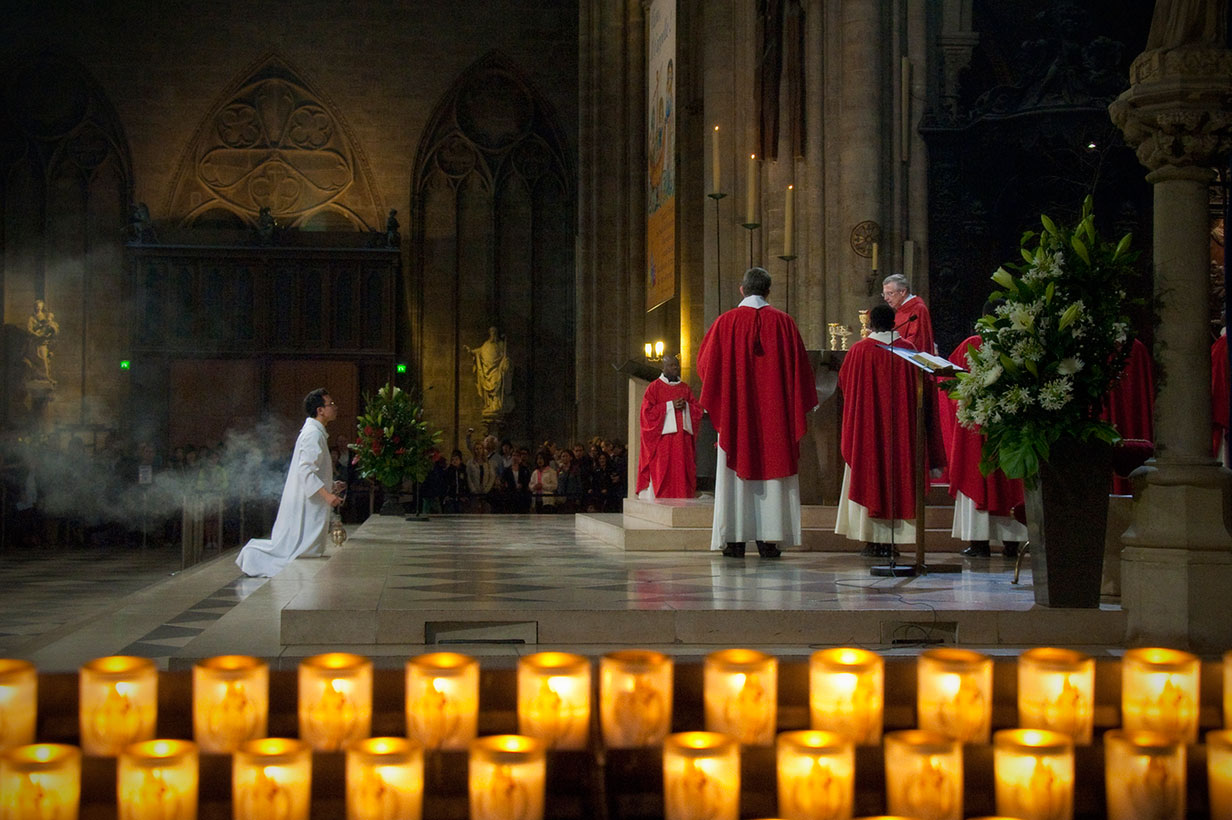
930, 364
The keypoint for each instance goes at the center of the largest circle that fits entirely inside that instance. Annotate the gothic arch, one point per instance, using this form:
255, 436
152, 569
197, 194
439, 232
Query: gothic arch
493, 195
273, 139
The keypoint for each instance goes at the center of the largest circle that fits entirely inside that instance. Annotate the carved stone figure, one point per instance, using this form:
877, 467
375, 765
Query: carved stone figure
43, 329
392, 238
1187, 22
493, 376
266, 226
140, 226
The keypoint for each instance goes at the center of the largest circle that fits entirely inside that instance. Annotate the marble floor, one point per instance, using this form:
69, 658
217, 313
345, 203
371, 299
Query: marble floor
501, 586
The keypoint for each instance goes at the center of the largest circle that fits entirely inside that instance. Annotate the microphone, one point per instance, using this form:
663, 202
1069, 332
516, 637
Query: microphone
907, 321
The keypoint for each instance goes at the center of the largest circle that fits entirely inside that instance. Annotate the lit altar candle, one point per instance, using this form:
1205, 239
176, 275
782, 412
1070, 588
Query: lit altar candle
1219, 772
816, 773
118, 703
442, 700
554, 699
924, 775
1159, 692
1056, 691
18, 702
751, 203
875, 268
156, 780
507, 778
40, 781
230, 702
1144, 776
789, 218
335, 700
701, 776
954, 694
1034, 773
384, 779
846, 693
635, 698
271, 779
714, 162
740, 690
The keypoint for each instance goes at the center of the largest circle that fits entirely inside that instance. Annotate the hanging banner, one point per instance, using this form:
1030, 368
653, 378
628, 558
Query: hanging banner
661, 154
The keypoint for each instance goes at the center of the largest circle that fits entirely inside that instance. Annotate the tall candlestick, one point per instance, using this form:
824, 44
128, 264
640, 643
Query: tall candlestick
119, 703
18, 702
230, 702
442, 700
157, 779
39, 781
750, 209
715, 183
875, 257
789, 218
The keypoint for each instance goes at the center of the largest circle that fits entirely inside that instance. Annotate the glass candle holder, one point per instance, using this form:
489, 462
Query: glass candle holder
1159, 692
156, 780
271, 779
1227, 689
1219, 773
40, 781
954, 694
554, 699
18, 702
442, 700
846, 693
1144, 776
924, 775
230, 702
635, 698
335, 700
816, 776
701, 776
118, 703
1034, 773
1056, 691
384, 779
740, 689
507, 778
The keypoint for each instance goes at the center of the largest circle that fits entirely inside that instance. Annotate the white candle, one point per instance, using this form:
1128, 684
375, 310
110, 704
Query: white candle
714, 161
874, 256
751, 204
789, 210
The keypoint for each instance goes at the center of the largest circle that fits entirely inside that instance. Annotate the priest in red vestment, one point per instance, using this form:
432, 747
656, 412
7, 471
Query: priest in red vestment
757, 387
877, 501
1219, 397
1130, 404
983, 504
667, 466
911, 316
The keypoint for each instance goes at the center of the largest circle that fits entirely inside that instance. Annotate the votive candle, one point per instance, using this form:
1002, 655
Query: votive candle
157, 779
335, 700
1056, 691
230, 702
507, 778
954, 694
846, 693
554, 699
40, 781
635, 698
740, 689
816, 774
18, 702
924, 775
1219, 773
384, 779
1159, 692
118, 703
1034, 771
442, 700
701, 776
271, 779
1144, 776
1227, 689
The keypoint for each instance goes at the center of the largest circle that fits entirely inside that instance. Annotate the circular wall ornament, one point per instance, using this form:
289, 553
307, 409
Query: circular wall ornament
863, 235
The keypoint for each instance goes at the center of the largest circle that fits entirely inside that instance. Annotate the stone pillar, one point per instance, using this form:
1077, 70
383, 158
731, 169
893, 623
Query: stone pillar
1177, 561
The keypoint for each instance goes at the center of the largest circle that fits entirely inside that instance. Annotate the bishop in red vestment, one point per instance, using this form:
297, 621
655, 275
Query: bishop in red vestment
667, 465
1130, 404
911, 317
983, 505
1219, 397
757, 387
877, 501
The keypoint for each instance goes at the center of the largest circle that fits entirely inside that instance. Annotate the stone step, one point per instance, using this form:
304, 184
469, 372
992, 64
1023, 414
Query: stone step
680, 513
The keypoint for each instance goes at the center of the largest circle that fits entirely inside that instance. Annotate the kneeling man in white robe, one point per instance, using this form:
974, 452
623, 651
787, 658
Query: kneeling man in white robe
307, 497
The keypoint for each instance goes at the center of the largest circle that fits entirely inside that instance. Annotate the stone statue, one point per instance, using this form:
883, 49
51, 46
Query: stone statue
1188, 22
266, 226
140, 226
392, 238
493, 376
43, 329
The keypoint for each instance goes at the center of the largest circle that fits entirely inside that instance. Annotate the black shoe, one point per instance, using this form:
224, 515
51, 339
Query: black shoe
734, 549
871, 550
978, 549
768, 550
1010, 549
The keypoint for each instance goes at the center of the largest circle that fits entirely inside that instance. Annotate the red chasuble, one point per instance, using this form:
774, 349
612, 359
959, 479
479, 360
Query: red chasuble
878, 440
1130, 404
920, 332
757, 387
1219, 391
668, 461
995, 494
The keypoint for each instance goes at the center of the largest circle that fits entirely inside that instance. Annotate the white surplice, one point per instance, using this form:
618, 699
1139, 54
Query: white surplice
303, 516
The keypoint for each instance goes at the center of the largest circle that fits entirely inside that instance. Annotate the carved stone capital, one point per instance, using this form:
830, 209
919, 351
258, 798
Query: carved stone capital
1178, 111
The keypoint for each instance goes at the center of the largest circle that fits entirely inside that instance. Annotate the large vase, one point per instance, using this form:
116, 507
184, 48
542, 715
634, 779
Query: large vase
1067, 517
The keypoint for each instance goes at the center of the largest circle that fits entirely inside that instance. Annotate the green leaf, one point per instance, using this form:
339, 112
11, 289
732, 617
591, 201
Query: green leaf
1122, 246
1069, 316
1081, 249
1049, 225
1027, 255
1049, 291
1032, 368
1003, 278
1009, 365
